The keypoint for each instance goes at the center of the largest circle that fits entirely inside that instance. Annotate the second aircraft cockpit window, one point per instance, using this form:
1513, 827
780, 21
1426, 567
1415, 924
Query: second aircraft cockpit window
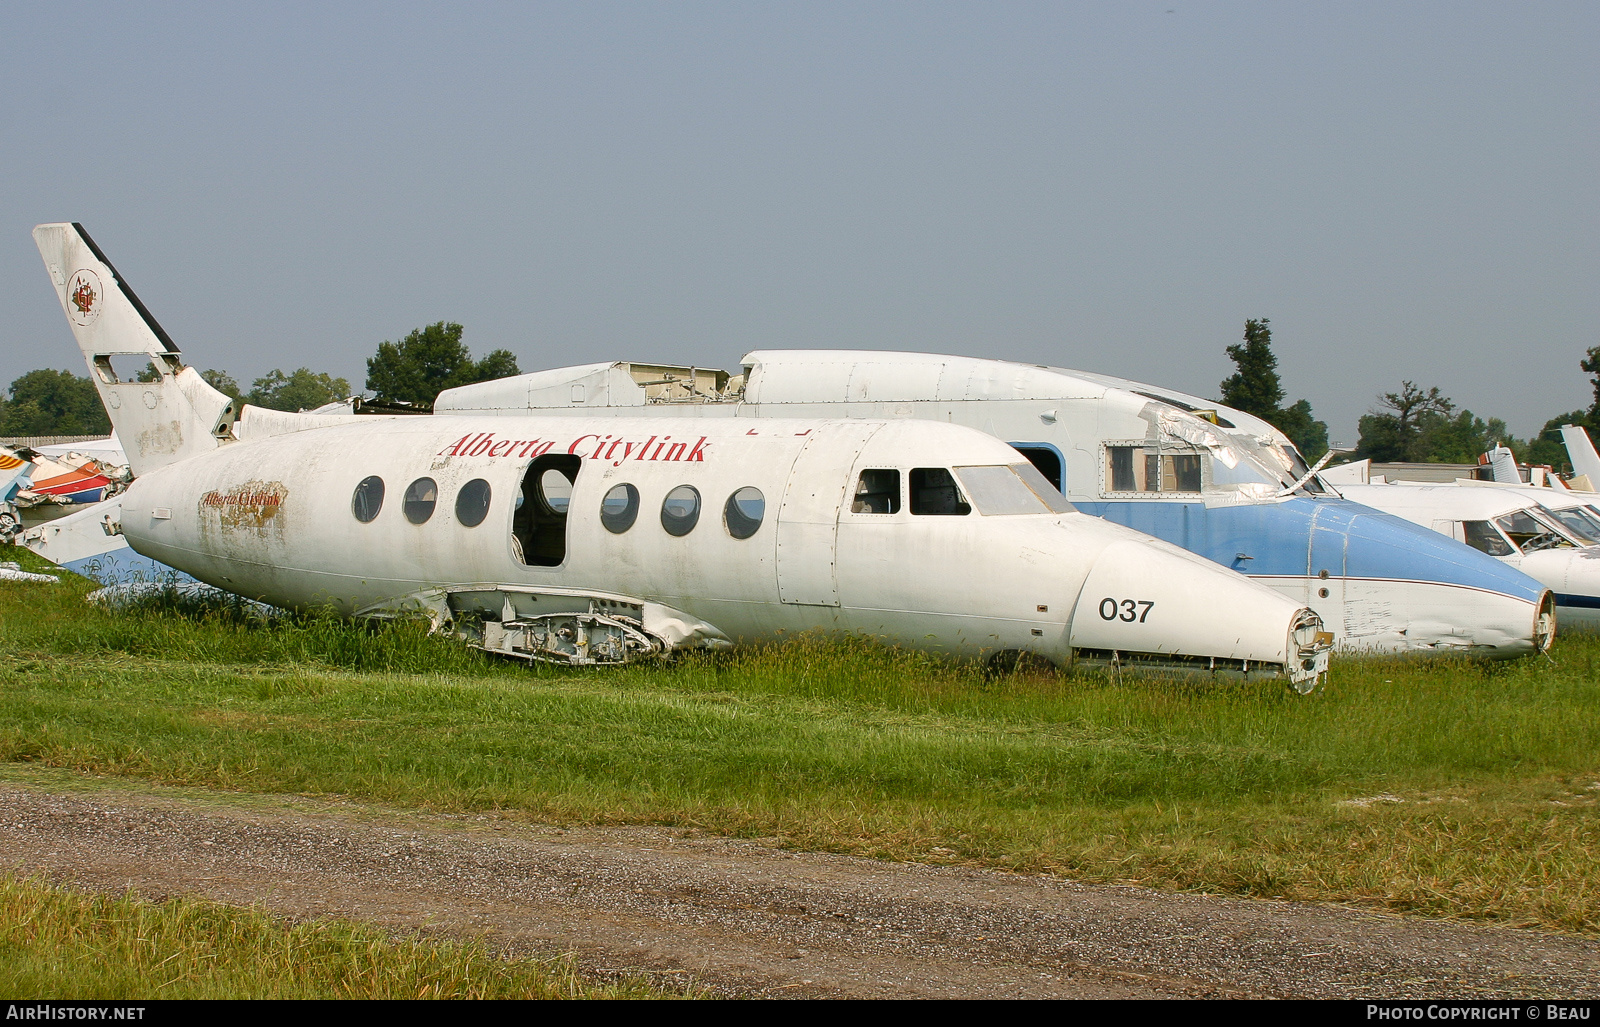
1001, 489
877, 492
1580, 523
1531, 532
934, 491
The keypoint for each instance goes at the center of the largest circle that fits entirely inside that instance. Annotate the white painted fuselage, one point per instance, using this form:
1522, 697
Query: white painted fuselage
276, 520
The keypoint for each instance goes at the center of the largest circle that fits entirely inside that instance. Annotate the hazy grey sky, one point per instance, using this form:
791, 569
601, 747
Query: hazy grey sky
1408, 191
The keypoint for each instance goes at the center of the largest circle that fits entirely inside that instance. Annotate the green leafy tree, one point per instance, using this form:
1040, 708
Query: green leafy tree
1394, 433
1256, 389
1463, 438
1591, 364
302, 390
223, 382
428, 361
50, 402
1425, 427
1548, 447
1309, 435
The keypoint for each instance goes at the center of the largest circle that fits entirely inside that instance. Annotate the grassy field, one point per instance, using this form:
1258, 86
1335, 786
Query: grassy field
1449, 789
64, 944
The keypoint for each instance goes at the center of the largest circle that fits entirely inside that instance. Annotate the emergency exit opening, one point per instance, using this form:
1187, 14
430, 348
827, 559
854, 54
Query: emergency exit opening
1047, 459
539, 527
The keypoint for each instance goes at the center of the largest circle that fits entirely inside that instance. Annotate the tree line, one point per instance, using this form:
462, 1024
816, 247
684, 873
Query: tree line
411, 372
1412, 424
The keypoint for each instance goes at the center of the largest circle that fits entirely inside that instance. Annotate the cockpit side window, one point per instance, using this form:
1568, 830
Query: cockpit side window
877, 492
1579, 522
1482, 536
1529, 533
1147, 469
934, 491
997, 490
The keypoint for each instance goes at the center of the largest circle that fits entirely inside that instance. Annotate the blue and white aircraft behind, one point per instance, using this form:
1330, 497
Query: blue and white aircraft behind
1189, 472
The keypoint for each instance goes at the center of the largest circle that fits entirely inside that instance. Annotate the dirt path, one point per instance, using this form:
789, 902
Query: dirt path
743, 918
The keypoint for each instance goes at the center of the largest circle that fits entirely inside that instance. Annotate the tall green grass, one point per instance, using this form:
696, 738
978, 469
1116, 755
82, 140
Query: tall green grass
1452, 788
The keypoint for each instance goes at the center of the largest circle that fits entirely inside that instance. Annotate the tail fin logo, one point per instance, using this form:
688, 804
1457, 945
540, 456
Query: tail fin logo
84, 292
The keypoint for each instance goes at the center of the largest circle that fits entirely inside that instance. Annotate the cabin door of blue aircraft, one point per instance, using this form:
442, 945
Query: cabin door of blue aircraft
1325, 566
1047, 458
808, 519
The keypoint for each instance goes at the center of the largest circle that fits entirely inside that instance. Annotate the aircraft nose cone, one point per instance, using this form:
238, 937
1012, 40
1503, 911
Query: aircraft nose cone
1407, 587
1146, 599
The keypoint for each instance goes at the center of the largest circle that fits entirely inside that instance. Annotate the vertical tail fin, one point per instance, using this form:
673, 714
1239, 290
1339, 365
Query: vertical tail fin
171, 418
1581, 452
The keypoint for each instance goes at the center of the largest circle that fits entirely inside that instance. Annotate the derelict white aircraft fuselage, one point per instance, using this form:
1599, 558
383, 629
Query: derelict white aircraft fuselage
1141, 457
548, 537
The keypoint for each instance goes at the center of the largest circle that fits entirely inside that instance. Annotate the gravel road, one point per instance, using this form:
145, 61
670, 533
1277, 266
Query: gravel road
742, 918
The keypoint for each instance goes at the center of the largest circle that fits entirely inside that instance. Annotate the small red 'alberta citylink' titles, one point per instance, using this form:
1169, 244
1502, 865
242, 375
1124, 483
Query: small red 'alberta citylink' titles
606, 447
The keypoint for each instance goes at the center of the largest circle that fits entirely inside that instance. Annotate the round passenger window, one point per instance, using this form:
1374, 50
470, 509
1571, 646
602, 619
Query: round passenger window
421, 495
620, 508
368, 499
680, 510
472, 502
556, 490
744, 512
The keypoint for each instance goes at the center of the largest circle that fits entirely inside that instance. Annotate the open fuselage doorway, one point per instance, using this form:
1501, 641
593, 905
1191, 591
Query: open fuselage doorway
539, 527
1047, 459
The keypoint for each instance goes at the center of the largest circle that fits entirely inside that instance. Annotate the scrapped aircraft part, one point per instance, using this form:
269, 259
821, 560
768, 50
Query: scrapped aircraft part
1544, 623
12, 572
552, 625
89, 542
1313, 647
575, 639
